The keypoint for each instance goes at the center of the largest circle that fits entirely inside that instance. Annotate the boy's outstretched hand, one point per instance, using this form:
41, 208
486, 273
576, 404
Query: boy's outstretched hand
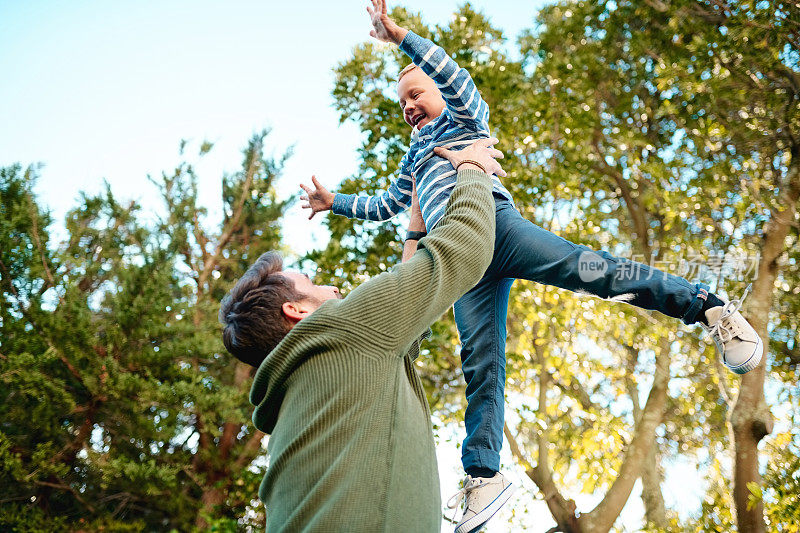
318, 199
385, 29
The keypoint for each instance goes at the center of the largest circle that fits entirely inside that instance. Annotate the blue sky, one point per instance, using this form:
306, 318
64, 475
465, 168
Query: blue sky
106, 90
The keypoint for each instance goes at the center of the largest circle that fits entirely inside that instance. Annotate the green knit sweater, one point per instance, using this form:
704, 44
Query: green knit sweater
351, 445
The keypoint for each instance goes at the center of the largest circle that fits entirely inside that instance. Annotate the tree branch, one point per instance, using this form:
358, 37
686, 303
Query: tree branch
27, 315
231, 429
200, 237
576, 391
517, 452
38, 241
630, 384
64, 486
720, 378
231, 225
564, 511
635, 208
652, 497
603, 516
250, 450
750, 418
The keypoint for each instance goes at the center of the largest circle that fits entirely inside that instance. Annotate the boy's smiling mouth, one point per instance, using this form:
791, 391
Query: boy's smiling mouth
416, 119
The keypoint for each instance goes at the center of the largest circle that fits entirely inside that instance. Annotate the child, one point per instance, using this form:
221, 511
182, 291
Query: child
442, 105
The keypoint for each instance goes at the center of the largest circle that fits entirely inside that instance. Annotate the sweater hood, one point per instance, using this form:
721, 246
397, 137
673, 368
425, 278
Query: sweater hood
306, 339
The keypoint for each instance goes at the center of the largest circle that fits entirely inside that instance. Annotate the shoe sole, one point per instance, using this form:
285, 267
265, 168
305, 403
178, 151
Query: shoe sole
477, 521
751, 363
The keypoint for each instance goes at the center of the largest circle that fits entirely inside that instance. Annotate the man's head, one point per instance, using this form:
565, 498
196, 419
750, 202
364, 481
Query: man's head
264, 305
420, 99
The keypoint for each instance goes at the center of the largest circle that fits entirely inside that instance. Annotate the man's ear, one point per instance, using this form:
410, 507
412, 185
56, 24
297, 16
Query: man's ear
294, 311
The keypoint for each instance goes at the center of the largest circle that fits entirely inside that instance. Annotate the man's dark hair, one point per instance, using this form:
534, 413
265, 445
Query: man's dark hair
251, 311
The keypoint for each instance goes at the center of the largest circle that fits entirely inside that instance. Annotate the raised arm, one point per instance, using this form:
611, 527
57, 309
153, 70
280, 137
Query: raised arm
459, 91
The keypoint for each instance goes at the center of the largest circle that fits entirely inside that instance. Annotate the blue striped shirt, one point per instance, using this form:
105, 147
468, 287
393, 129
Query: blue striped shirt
465, 119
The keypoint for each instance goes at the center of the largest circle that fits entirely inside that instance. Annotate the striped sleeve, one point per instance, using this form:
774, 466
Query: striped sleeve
459, 91
382, 206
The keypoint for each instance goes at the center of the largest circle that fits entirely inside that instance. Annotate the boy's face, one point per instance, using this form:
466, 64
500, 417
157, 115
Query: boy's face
419, 97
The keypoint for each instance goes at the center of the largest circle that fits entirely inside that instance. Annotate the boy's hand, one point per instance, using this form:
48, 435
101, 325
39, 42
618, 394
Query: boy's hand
319, 199
385, 28
480, 151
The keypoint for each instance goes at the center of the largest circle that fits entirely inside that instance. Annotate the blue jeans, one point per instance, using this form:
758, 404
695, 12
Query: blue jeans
523, 250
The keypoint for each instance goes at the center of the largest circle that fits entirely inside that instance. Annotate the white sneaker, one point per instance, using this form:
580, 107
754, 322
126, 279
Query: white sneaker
483, 498
741, 347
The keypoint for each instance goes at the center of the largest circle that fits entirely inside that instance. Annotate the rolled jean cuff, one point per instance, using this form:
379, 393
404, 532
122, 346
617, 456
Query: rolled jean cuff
692, 312
481, 459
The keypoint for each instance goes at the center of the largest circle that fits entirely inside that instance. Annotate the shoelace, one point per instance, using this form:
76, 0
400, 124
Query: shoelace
720, 331
460, 496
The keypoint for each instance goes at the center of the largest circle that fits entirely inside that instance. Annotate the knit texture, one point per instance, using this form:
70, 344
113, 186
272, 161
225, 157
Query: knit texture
351, 445
464, 120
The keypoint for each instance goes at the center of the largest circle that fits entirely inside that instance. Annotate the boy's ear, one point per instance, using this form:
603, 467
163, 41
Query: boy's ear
294, 311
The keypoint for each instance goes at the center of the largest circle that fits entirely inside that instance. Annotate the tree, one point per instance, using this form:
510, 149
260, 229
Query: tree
121, 409
669, 86
227, 443
745, 53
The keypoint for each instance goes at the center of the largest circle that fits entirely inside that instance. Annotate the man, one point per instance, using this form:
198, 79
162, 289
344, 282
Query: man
351, 445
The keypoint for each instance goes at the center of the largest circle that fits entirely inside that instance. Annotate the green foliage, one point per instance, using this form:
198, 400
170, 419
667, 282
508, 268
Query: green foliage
21, 518
121, 410
782, 483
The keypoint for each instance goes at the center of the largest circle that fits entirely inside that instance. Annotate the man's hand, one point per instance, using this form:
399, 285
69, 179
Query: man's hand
318, 200
385, 29
480, 151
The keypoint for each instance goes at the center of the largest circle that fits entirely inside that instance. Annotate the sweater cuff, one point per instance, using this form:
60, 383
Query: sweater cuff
343, 204
414, 46
472, 175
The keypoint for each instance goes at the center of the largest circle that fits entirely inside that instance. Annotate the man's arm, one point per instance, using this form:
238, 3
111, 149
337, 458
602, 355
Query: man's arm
459, 91
401, 304
416, 225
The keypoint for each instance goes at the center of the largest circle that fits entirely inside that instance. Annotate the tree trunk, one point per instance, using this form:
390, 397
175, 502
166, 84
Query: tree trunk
232, 456
655, 511
654, 508
602, 517
212, 497
751, 419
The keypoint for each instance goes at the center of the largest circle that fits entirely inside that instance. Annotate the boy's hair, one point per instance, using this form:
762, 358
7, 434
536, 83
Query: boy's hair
408, 68
252, 311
